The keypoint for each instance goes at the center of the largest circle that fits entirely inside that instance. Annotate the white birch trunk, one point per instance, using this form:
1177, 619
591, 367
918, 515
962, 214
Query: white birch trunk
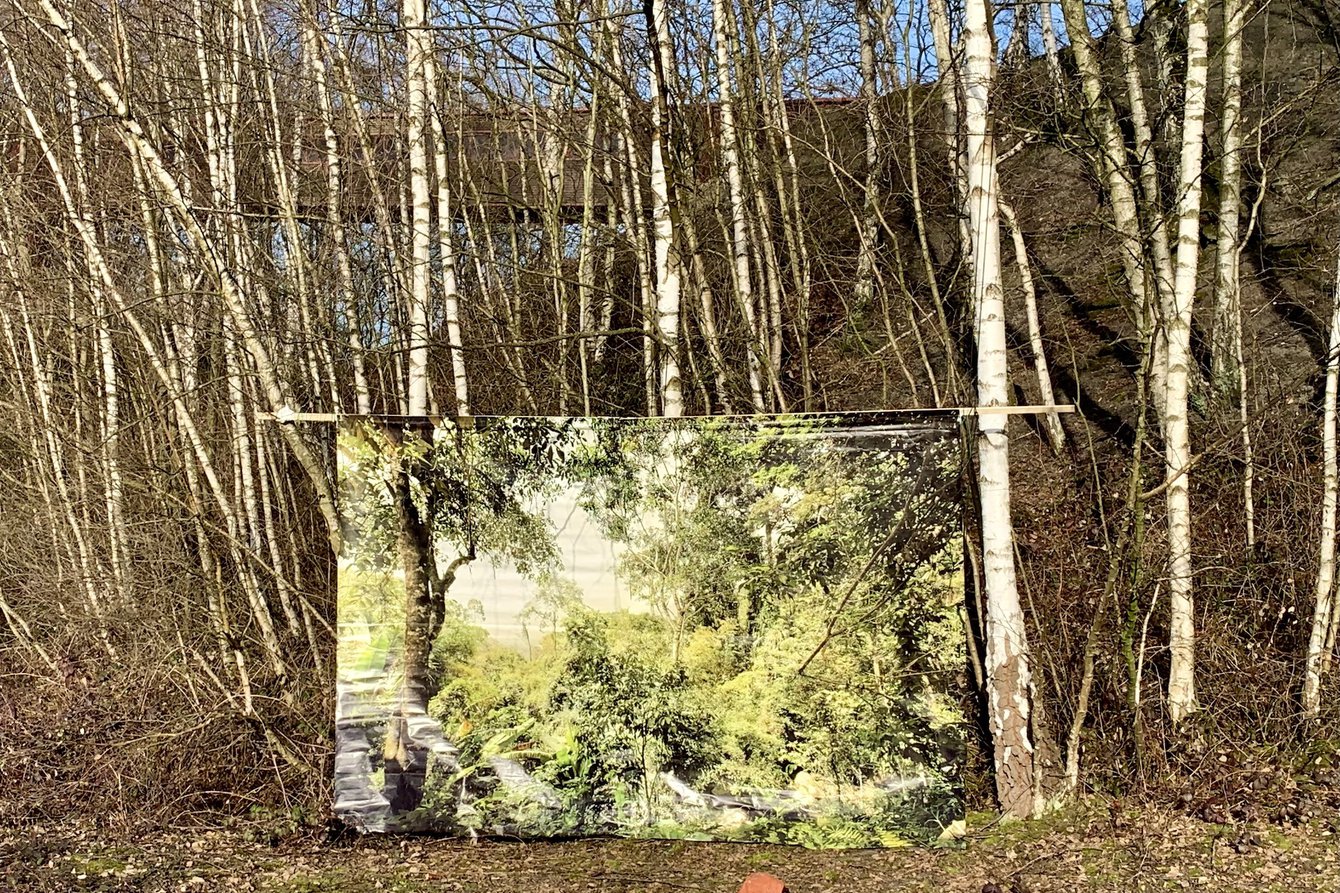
1007, 656
1226, 333
1112, 167
1177, 324
1049, 45
662, 215
418, 45
446, 241
868, 228
634, 217
111, 414
133, 134
586, 324
1150, 192
740, 269
1052, 420
347, 298
937, 11
786, 178
1322, 616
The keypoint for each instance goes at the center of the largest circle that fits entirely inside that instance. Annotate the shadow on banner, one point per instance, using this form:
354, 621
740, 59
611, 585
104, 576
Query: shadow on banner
733, 628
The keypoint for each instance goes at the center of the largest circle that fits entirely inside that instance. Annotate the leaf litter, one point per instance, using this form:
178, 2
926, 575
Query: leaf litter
1095, 846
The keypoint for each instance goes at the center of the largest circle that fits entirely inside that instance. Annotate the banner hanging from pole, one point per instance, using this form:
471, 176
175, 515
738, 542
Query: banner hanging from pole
740, 628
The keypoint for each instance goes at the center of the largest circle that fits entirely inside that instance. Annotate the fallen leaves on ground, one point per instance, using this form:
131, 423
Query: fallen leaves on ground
1089, 847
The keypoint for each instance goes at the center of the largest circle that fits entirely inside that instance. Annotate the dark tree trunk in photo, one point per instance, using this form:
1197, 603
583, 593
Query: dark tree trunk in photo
411, 736
423, 616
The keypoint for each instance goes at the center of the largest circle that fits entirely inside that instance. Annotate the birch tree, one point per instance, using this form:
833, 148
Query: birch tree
1110, 162
418, 50
1321, 639
1009, 682
740, 248
1226, 334
1051, 420
663, 215
1228, 372
1177, 324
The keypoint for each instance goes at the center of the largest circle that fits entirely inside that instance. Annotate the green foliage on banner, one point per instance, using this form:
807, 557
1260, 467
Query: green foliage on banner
787, 672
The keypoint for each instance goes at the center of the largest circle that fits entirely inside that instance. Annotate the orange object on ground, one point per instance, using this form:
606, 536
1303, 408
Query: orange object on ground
762, 883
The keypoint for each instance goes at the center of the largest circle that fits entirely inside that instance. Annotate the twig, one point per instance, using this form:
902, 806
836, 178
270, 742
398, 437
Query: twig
1150, 494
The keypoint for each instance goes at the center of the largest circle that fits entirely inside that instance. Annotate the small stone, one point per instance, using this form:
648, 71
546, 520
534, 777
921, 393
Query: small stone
759, 882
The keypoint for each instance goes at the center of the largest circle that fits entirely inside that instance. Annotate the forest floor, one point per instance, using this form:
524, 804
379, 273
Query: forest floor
1097, 847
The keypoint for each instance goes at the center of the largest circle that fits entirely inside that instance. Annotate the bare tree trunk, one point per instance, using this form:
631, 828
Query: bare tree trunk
586, 321
1226, 334
949, 80
1007, 657
1111, 164
111, 415
1150, 193
937, 11
744, 289
1052, 421
662, 214
1322, 617
785, 170
1049, 45
868, 228
1177, 324
446, 243
347, 299
137, 140
418, 47
708, 322
1228, 372
634, 219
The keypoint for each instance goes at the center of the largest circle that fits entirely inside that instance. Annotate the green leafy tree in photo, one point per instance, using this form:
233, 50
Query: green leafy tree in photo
829, 575
427, 502
636, 717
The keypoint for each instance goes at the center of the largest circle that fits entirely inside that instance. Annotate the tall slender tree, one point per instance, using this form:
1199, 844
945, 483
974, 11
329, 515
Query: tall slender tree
1009, 678
1177, 325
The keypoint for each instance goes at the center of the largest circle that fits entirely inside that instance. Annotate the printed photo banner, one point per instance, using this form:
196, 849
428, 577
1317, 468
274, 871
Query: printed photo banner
732, 628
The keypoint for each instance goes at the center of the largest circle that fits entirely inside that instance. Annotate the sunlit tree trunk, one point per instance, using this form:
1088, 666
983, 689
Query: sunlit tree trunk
1110, 162
1150, 192
1323, 632
446, 242
632, 208
111, 404
312, 318
949, 81
951, 91
1228, 375
137, 140
586, 323
347, 300
1177, 324
785, 176
1049, 44
1007, 659
1052, 421
662, 214
743, 281
1227, 328
418, 47
868, 230
707, 317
